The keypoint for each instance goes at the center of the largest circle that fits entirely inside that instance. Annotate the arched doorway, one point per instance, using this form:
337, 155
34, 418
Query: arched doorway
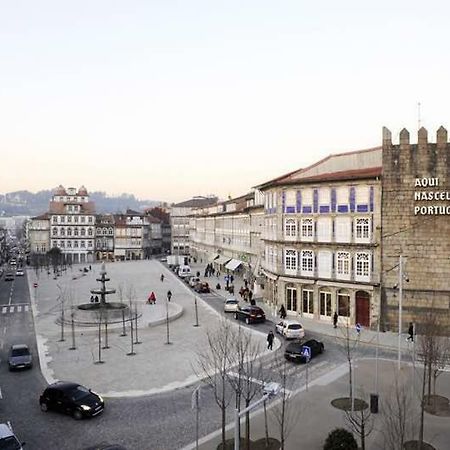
362, 306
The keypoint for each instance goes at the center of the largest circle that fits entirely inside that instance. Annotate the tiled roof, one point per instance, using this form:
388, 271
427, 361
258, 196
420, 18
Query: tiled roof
59, 207
334, 166
197, 202
44, 216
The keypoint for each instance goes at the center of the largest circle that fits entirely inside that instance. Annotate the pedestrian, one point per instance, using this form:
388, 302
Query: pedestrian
231, 278
90, 268
245, 282
162, 277
250, 295
410, 337
241, 292
270, 338
218, 273
282, 312
152, 298
335, 319
169, 295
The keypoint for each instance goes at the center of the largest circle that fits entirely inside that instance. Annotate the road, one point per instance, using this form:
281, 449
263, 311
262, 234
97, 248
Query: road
158, 422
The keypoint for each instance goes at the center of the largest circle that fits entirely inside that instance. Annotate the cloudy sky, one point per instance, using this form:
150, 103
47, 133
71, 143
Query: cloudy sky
169, 99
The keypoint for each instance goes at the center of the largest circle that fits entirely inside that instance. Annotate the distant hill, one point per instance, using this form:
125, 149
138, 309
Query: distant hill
29, 204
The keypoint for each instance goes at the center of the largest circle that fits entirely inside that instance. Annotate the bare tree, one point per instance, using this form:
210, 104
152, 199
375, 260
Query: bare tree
397, 418
284, 412
360, 422
246, 381
213, 363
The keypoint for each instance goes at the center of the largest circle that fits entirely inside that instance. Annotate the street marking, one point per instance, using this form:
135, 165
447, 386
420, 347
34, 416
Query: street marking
19, 309
4, 309
1, 396
11, 309
26, 307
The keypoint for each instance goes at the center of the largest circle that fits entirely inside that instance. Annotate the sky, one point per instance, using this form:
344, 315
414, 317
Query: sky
170, 99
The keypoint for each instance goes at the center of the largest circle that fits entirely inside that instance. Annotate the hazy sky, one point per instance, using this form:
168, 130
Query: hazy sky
168, 99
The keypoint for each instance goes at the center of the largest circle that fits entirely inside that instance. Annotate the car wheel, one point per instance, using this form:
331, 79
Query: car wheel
247, 321
44, 407
77, 414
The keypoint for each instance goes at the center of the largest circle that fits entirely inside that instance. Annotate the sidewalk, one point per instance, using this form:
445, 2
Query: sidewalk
387, 339
307, 431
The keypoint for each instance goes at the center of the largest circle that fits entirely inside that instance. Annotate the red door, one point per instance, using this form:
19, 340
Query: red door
363, 308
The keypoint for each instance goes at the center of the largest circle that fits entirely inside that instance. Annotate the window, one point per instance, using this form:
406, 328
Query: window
342, 195
290, 260
362, 195
69, 231
83, 232
343, 265
307, 257
362, 229
343, 229
291, 299
90, 219
307, 301
69, 244
62, 231
55, 232
61, 244
69, 218
343, 305
307, 229
324, 196
290, 228
291, 199
83, 219
75, 231
90, 244
99, 242
63, 219
325, 263
75, 244
82, 244
54, 219
362, 266
110, 231
75, 219
325, 303
324, 229
307, 197
90, 231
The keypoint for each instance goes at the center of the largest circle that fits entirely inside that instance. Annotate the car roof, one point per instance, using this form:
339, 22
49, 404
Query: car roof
290, 321
63, 385
5, 431
19, 346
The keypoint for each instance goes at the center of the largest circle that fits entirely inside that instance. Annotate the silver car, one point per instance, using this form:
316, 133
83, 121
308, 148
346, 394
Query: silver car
20, 357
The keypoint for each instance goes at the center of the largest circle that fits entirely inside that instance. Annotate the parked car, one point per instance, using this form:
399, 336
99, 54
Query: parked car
290, 329
250, 314
71, 398
19, 273
202, 288
8, 440
193, 281
295, 351
20, 357
231, 305
9, 276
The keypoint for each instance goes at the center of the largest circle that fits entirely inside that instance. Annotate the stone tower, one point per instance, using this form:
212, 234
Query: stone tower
415, 223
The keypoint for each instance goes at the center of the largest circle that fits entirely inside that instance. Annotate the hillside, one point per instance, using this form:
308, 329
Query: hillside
32, 204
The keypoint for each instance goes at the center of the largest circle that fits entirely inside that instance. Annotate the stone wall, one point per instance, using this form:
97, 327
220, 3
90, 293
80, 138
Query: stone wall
411, 173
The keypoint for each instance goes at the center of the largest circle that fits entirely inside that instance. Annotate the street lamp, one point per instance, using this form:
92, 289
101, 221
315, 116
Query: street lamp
270, 390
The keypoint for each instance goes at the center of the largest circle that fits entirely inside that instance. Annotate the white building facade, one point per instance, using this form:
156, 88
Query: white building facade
322, 240
72, 224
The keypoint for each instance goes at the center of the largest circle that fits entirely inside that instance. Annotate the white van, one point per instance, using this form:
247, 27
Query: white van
184, 271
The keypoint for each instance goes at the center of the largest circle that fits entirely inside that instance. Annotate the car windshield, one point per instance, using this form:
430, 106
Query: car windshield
295, 326
232, 302
78, 393
9, 443
20, 352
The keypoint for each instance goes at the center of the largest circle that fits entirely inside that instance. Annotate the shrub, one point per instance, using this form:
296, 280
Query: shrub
340, 439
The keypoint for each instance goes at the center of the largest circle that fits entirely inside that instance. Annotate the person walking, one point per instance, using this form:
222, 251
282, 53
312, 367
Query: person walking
162, 277
410, 337
282, 312
335, 319
270, 338
152, 298
169, 295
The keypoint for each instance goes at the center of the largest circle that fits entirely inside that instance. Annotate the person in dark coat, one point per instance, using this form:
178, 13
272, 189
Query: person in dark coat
169, 295
282, 312
250, 295
410, 337
335, 319
270, 338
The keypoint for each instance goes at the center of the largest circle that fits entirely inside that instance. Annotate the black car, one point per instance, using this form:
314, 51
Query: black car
71, 398
250, 314
295, 351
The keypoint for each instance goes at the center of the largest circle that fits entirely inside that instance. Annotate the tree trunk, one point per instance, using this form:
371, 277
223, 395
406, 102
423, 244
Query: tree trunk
363, 437
223, 426
266, 425
422, 409
247, 424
